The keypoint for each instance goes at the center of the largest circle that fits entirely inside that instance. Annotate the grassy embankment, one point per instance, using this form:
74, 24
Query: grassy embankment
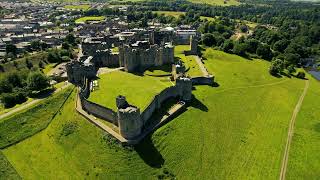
234, 131
30, 121
304, 153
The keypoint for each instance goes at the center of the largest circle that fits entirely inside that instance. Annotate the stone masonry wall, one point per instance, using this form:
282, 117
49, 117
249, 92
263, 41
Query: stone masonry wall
99, 111
157, 101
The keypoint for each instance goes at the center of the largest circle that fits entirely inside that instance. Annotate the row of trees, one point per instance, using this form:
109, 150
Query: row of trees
15, 87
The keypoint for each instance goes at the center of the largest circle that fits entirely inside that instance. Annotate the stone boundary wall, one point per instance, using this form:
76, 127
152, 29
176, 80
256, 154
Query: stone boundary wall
157, 101
93, 108
201, 80
99, 111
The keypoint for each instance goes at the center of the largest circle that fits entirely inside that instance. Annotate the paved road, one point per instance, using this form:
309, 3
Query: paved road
201, 66
290, 133
20, 108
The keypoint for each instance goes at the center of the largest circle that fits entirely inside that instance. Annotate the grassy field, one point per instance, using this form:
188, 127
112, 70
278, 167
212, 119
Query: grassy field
189, 61
217, 2
6, 169
83, 7
90, 18
132, 86
32, 120
234, 131
176, 14
304, 153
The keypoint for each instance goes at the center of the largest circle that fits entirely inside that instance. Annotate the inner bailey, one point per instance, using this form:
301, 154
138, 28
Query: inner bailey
128, 118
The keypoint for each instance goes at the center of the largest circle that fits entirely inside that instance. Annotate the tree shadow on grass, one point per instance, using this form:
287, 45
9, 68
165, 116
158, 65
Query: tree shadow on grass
317, 127
149, 153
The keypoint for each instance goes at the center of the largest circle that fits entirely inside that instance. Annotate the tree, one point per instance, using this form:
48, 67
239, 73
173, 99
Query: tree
11, 99
239, 49
244, 28
292, 58
264, 51
276, 67
227, 46
208, 39
65, 45
252, 45
28, 64
291, 69
70, 39
10, 48
281, 45
37, 81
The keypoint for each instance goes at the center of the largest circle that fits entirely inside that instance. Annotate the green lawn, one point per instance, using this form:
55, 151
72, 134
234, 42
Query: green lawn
132, 86
83, 7
90, 18
304, 155
32, 120
176, 14
189, 61
235, 131
217, 2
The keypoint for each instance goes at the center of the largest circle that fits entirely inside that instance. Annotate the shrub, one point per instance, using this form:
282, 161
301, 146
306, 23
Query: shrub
11, 99
301, 75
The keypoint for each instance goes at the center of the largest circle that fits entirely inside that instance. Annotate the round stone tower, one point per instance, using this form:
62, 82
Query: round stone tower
129, 121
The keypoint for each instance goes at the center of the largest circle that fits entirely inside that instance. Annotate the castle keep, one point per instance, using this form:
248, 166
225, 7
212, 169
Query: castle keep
141, 55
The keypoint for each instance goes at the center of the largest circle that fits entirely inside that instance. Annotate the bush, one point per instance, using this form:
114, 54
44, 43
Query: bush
301, 75
37, 81
11, 99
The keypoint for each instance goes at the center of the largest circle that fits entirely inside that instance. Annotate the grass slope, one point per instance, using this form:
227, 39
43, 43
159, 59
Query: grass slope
304, 153
217, 2
234, 131
139, 90
6, 169
22, 125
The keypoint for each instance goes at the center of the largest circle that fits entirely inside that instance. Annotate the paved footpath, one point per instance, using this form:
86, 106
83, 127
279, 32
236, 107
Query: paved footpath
20, 108
290, 133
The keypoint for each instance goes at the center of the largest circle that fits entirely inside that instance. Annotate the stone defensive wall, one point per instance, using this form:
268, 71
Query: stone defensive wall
157, 101
203, 80
99, 111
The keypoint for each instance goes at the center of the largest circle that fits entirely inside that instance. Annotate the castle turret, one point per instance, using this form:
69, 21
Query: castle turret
193, 45
184, 85
129, 120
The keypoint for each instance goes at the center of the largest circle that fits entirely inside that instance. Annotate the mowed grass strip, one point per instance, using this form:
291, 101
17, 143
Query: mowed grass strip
6, 169
304, 155
217, 2
139, 90
90, 18
83, 7
25, 124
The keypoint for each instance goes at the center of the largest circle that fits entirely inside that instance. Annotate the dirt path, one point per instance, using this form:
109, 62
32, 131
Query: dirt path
20, 108
201, 66
290, 133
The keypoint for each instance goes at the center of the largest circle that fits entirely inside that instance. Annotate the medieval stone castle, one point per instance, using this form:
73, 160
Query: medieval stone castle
133, 55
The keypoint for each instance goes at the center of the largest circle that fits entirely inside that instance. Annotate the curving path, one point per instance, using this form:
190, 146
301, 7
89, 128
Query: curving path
290, 133
20, 108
